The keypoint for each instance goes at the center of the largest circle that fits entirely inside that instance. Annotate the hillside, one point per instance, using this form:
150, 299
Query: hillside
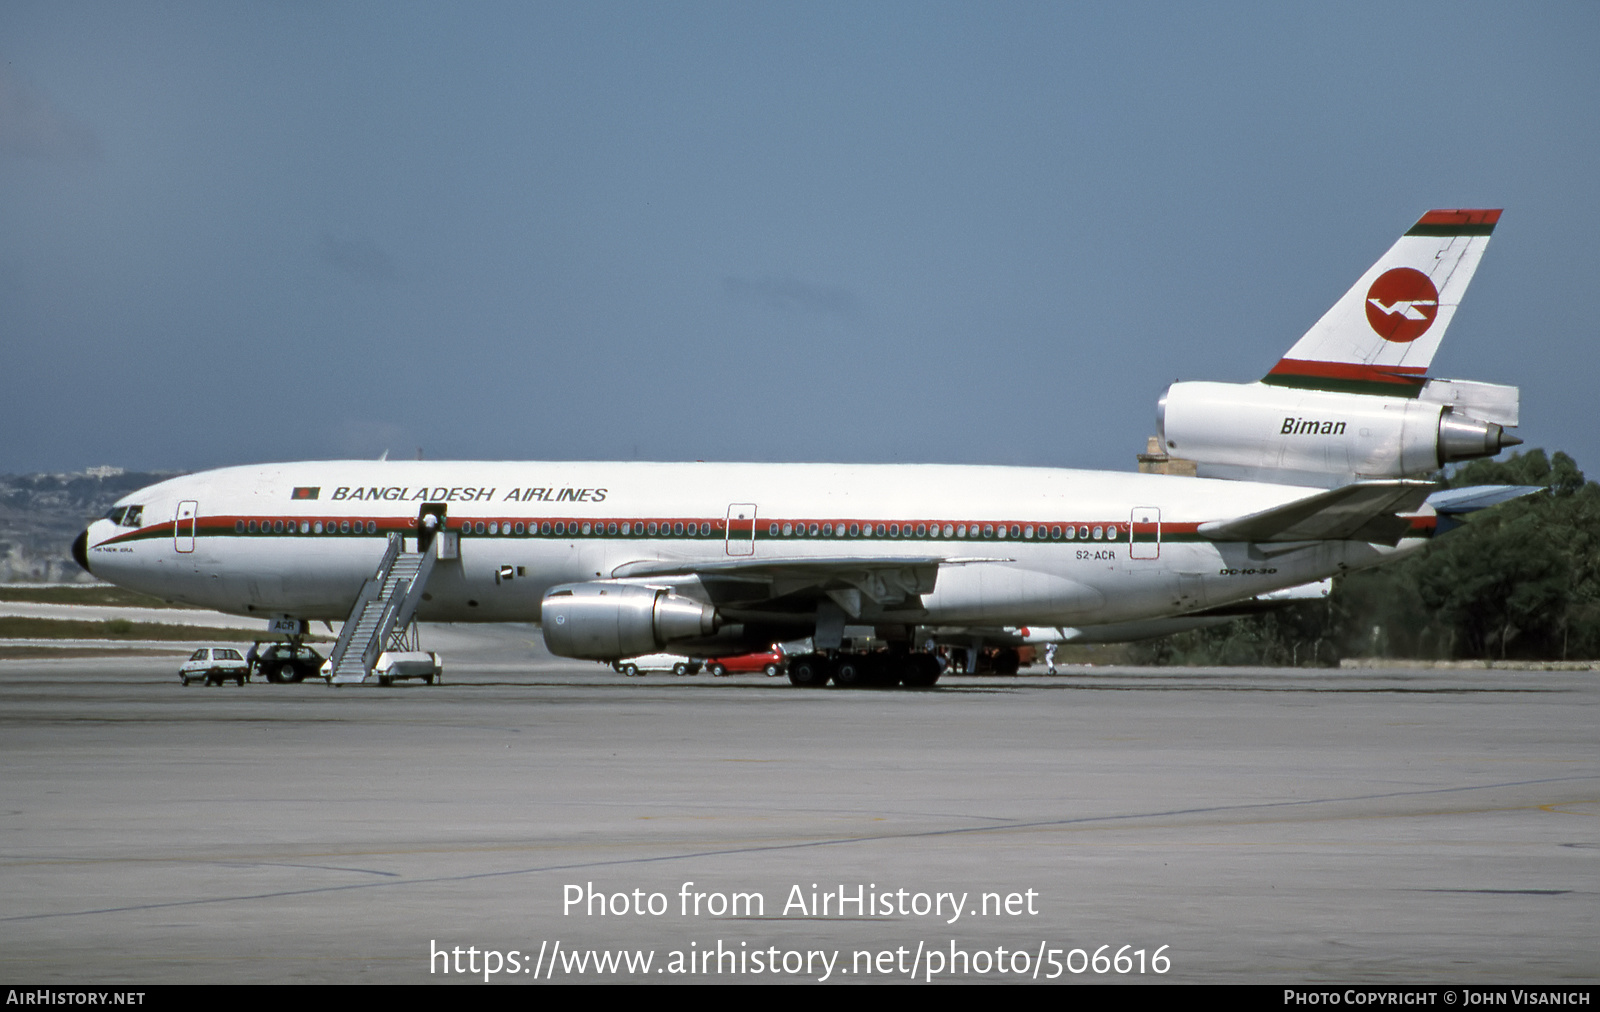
40, 514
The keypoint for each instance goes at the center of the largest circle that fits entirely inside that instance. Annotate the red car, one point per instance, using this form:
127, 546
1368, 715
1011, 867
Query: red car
770, 662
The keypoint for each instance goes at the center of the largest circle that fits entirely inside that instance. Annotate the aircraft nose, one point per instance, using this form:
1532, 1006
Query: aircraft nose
80, 550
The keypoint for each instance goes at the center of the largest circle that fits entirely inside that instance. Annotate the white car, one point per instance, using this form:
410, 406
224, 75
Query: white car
678, 664
216, 665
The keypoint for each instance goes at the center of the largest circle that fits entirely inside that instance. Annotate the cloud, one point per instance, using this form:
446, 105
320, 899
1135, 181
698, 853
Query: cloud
33, 126
787, 295
358, 259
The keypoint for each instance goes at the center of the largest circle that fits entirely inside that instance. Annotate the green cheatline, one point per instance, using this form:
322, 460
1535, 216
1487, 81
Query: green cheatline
122, 629
89, 594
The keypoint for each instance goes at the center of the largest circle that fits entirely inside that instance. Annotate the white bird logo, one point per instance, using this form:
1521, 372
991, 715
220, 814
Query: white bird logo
1407, 308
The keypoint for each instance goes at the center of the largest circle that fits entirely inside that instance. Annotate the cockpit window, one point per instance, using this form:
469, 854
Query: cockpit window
126, 516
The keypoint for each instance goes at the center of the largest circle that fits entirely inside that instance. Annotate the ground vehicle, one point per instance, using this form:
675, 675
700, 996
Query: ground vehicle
282, 663
769, 662
678, 664
394, 665
215, 665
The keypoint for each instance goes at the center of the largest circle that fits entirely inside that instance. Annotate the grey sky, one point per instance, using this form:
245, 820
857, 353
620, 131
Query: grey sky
808, 231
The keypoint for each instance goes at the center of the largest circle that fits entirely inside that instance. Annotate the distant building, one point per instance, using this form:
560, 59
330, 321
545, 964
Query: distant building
1154, 460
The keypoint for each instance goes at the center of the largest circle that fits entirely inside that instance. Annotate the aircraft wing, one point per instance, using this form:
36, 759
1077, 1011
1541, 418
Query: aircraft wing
1364, 511
887, 581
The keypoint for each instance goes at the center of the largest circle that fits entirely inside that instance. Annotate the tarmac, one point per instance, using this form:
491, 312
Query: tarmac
530, 814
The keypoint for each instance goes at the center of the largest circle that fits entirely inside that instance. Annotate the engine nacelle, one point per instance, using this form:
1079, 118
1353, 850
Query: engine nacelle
608, 621
1260, 432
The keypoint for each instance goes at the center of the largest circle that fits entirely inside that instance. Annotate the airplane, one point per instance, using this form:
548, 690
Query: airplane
1321, 467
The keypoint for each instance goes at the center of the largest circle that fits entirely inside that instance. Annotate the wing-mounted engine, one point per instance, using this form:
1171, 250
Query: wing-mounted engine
1262, 432
604, 621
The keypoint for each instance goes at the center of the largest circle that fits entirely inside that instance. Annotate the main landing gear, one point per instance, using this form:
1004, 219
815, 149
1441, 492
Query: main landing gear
914, 670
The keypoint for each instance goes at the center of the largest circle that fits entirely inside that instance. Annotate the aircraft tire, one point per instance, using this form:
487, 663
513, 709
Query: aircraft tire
922, 672
886, 672
853, 672
810, 671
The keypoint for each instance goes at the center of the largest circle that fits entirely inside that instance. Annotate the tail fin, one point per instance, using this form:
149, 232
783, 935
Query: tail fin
1380, 337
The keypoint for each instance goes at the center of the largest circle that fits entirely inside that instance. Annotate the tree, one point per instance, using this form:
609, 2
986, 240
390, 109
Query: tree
1519, 580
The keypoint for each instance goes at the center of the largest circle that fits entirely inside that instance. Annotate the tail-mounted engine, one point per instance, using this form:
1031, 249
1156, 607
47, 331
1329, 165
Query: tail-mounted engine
608, 621
1262, 432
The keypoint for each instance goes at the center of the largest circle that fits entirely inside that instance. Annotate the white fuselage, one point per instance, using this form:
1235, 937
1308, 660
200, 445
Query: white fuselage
1026, 545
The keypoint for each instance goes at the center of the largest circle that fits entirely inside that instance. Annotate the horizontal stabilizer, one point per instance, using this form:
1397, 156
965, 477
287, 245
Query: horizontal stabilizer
1452, 501
1365, 511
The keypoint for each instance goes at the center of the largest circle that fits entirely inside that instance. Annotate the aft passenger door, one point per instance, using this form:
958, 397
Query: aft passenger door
183, 525
741, 538
1144, 529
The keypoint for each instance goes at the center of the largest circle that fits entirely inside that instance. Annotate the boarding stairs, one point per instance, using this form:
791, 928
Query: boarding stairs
382, 614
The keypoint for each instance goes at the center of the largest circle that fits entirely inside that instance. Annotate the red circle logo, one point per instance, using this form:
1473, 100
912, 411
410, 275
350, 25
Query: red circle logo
1402, 304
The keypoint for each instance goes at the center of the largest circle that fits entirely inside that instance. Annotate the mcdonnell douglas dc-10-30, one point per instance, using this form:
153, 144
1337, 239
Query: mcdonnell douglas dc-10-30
1321, 467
